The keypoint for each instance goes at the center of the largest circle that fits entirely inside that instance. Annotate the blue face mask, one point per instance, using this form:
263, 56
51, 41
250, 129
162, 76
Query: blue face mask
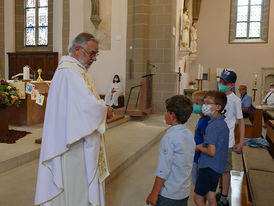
197, 109
222, 88
233, 89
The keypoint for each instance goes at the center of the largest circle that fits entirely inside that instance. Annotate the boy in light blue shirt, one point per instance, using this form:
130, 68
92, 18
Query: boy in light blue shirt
172, 183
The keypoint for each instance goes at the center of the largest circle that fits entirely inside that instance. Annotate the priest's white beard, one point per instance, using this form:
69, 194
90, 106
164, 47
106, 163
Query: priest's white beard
81, 60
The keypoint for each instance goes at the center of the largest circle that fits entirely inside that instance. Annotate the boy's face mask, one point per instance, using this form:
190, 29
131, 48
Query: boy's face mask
197, 109
222, 88
206, 109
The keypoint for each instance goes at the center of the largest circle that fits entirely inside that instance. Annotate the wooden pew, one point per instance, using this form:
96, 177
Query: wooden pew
270, 136
120, 99
253, 124
259, 172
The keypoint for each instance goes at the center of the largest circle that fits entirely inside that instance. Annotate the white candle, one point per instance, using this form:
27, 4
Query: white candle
255, 80
25, 72
199, 71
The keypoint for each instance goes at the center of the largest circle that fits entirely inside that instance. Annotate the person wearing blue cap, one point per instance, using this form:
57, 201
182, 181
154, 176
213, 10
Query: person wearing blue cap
232, 113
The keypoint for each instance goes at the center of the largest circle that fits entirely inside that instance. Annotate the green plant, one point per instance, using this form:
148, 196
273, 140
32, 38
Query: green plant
8, 94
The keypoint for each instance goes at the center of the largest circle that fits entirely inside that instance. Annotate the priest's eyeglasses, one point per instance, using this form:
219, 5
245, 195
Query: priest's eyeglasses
90, 54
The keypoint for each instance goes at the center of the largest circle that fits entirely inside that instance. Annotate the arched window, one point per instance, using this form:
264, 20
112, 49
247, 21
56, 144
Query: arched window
249, 21
36, 22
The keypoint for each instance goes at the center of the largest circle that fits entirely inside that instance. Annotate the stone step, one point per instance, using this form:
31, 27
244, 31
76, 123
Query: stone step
26, 150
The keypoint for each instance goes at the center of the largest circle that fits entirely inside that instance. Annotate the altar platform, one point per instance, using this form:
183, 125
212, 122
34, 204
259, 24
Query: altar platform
137, 135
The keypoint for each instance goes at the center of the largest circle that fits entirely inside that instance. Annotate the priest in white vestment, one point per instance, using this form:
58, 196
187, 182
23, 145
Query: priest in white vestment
73, 162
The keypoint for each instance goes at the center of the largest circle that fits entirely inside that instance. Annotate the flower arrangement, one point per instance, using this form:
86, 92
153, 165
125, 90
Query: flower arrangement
192, 83
8, 94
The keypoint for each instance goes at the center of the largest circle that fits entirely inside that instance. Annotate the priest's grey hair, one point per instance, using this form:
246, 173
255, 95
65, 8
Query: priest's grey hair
81, 40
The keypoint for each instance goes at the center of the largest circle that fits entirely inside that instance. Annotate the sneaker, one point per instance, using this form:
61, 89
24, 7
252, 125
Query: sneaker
219, 203
218, 196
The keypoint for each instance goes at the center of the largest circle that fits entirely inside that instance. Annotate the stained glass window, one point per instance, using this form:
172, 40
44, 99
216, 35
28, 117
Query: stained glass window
36, 32
249, 17
30, 3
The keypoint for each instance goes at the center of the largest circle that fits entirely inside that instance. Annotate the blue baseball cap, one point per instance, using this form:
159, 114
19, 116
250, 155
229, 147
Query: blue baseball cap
228, 75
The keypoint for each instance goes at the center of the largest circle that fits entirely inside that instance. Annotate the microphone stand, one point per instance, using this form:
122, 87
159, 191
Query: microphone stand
34, 77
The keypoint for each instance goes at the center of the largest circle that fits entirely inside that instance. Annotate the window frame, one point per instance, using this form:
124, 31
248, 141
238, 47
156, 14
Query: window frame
20, 29
36, 26
264, 24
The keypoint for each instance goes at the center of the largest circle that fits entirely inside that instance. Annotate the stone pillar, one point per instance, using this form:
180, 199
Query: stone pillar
149, 37
162, 51
137, 45
2, 42
66, 16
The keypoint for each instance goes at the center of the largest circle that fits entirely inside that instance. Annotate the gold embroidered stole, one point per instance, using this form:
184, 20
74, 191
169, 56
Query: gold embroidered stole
102, 165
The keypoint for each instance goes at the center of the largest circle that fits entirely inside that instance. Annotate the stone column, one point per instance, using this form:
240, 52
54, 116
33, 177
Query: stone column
149, 37
66, 16
2, 42
137, 45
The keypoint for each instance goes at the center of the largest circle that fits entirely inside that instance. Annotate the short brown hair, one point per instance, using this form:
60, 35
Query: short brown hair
218, 97
182, 107
199, 95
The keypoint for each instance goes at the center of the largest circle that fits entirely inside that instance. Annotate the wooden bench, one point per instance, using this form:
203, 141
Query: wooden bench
258, 186
270, 136
253, 124
120, 100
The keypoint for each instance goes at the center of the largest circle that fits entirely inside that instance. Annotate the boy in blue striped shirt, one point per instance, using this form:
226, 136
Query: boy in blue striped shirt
172, 183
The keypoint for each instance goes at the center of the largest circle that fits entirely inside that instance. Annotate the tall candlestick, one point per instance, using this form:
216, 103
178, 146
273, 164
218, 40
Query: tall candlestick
202, 71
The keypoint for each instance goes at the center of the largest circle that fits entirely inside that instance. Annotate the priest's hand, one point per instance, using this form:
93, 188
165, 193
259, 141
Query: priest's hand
109, 112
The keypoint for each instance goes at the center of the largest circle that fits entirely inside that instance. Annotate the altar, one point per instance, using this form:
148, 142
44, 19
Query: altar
29, 112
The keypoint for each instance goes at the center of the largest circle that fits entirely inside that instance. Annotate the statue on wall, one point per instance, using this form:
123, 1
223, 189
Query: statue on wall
185, 24
95, 17
193, 36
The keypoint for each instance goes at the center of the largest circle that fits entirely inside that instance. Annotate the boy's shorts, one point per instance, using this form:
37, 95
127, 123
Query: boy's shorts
228, 166
164, 201
194, 173
207, 180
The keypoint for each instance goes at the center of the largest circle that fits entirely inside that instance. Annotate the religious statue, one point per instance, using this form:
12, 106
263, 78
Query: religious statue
95, 17
193, 36
185, 24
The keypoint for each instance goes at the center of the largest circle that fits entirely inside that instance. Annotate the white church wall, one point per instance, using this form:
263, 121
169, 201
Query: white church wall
214, 51
57, 27
109, 62
113, 61
9, 19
